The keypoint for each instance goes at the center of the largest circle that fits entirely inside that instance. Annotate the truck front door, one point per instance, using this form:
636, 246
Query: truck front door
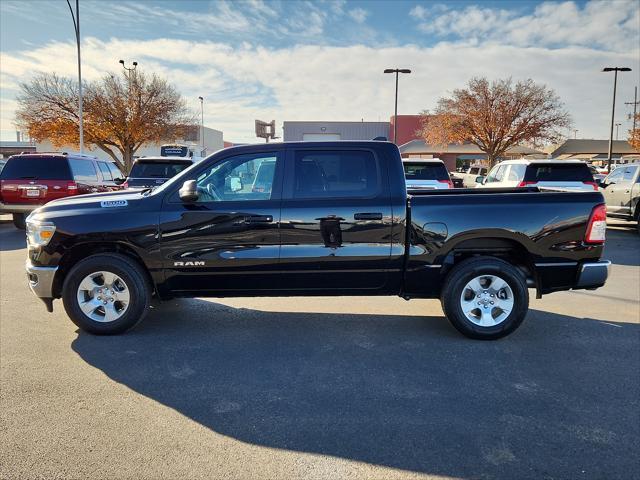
228, 240
336, 220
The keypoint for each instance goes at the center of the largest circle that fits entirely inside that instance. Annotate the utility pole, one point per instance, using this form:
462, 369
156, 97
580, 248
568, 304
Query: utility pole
202, 123
76, 28
617, 127
575, 133
635, 106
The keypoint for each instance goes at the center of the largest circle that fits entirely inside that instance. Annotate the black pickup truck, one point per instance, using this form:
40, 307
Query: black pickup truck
330, 218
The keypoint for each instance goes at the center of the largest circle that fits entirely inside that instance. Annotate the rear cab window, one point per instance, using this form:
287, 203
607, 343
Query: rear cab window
558, 172
425, 171
335, 174
36, 167
151, 169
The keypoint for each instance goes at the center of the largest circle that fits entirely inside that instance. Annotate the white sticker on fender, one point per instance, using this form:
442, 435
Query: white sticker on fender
113, 203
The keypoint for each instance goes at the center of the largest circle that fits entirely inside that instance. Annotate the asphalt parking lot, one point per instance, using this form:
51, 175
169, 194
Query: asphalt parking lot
323, 387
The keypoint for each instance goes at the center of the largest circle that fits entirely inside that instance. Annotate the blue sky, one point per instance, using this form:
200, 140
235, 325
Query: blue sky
322, 60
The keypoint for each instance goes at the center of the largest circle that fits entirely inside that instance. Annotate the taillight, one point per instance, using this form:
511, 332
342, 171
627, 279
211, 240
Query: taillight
593, 184
72, 188
525, 184
448, 182
597, 226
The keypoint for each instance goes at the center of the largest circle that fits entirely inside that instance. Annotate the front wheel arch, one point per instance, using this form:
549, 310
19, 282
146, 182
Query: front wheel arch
83, 250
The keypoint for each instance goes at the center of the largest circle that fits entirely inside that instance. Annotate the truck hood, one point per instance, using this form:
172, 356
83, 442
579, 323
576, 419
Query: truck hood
107, 202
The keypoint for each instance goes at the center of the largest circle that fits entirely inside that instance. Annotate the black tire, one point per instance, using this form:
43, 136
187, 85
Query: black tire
133, 276
20, 221
466, 271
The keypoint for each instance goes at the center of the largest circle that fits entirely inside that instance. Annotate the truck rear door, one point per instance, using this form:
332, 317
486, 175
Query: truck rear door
336, 220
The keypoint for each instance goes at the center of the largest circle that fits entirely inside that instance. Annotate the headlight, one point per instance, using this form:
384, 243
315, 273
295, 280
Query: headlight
39, 233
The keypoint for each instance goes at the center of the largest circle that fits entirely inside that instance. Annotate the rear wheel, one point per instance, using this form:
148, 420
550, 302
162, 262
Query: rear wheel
106, 294
485, 298
20, 221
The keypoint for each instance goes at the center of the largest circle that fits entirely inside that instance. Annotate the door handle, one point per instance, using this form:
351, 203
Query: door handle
258, 219
368, 216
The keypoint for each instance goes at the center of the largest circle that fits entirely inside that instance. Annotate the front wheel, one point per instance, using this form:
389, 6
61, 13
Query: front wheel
485, 298
106, 294
20, 221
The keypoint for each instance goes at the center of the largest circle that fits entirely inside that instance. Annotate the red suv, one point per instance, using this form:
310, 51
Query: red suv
33, 179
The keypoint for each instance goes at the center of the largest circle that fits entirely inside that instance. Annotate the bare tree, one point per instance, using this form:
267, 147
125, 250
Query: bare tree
496, 116
121, 113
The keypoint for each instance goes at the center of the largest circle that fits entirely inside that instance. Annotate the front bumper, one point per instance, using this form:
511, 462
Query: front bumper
17, 208
593, 274
41, 279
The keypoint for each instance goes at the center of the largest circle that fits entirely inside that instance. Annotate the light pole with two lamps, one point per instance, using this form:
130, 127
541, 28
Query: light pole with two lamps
395, 115
613, 108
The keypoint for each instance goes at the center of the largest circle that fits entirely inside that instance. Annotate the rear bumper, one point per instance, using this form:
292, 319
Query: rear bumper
593, 274
17, 208
41, 280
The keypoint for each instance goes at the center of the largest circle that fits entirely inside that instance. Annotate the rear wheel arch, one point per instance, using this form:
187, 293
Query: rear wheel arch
506, 249
84, 250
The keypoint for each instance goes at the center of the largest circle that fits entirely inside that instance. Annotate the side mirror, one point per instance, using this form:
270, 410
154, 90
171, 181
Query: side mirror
480, 179
189, 191
119, 181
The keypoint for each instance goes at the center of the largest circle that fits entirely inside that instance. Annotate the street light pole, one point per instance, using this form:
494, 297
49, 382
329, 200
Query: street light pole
395, 115
617, 126
613, 108
202, 123
76, 28
129, 71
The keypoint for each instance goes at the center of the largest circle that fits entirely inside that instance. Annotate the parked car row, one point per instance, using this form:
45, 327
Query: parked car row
28, 181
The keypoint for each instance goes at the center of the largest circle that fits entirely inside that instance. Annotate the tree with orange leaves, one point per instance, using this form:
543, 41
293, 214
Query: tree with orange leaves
634, 134
120, 113
496, 116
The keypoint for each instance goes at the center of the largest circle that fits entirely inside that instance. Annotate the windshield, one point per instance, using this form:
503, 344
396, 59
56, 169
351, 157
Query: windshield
425, 171
164, 169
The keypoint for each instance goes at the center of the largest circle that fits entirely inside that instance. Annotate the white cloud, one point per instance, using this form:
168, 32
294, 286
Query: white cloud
611, 25
359, 14
241, 83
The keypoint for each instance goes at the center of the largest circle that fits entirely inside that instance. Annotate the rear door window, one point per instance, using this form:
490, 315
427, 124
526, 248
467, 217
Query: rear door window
36, 168
83, 170
425, 171
558, 172
106, 173
142, 169
628, 173
335, 174
516, 172
115, 171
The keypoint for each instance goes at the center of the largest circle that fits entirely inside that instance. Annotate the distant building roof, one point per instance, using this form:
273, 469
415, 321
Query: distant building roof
591, 148
420, 146
14, 144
